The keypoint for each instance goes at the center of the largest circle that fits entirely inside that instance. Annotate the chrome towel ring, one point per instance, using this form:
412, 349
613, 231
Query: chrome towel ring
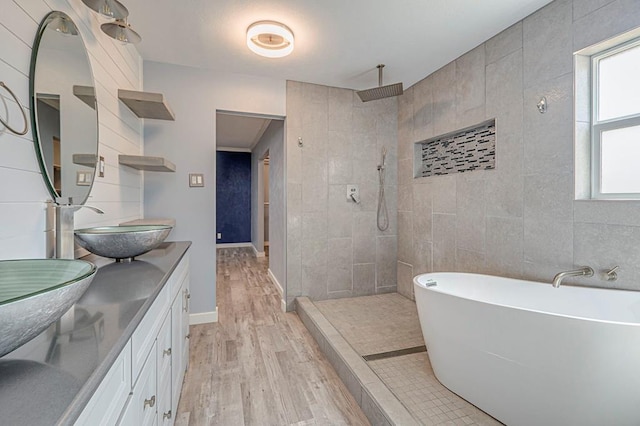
24, 116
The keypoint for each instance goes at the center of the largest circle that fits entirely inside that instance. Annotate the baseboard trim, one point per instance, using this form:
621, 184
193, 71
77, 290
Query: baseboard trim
232, 245
275, 281
203, 317
256, 252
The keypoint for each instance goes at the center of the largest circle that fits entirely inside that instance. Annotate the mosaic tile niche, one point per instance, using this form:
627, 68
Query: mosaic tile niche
465, 150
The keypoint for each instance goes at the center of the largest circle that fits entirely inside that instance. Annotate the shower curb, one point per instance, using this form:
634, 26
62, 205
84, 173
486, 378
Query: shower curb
375, 399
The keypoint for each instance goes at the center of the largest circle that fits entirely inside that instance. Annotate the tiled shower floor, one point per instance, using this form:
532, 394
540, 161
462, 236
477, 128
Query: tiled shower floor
387, 323
375, 324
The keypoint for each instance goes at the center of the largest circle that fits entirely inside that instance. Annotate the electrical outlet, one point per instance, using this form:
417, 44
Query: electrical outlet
219, 235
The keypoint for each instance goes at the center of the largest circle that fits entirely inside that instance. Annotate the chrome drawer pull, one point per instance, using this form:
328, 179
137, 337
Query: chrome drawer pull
166, 415
166, 352
187, 296
188, 336
149, 402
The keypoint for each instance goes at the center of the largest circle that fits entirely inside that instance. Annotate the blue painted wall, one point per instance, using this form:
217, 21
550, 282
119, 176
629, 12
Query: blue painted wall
233, 196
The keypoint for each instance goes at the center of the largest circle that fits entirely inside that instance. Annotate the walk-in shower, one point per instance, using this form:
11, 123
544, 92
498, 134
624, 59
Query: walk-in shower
383, 214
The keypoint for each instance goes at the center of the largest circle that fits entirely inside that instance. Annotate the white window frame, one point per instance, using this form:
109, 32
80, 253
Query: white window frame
600, 126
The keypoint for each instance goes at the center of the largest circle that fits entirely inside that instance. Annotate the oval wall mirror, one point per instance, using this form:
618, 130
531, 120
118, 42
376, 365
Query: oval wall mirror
64, 109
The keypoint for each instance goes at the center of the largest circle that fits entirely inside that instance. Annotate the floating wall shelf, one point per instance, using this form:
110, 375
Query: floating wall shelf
89, 160
150, 164
86, 94
146, 105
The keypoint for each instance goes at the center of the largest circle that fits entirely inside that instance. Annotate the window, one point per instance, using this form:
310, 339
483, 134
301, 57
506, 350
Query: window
615, 122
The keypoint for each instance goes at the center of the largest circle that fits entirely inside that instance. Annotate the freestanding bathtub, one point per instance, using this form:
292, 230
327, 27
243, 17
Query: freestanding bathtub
530, 354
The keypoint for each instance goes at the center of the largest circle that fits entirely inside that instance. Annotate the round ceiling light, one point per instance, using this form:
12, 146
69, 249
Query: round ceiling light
270, 39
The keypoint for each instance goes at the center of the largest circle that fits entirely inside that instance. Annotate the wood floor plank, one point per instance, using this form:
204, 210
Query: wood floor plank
258, 365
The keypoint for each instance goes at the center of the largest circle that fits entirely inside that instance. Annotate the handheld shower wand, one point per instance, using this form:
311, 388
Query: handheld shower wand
383, 214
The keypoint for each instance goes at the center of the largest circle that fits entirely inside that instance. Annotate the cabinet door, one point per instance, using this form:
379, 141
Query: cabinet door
165, 352
141, 407
165, 409
177, 345
185, 324
145, 335
111, 396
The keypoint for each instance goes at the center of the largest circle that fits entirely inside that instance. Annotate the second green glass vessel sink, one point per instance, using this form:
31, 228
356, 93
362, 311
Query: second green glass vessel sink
122, 242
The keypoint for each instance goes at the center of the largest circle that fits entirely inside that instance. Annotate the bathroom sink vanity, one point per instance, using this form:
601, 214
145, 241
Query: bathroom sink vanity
123, 359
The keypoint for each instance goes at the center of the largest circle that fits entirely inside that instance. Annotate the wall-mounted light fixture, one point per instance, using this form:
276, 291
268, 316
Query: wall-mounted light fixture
109, 8
270, 39
119, 29
542, 105
64, 26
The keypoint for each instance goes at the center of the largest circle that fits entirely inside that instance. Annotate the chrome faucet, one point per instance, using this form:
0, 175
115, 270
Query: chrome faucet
64, 227
582, 272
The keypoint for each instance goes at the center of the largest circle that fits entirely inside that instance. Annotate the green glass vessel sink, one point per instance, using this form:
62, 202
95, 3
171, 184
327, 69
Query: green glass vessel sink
34, 293
122, 242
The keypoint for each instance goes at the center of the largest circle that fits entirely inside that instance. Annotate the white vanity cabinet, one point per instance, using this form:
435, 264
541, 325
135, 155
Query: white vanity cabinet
143, 386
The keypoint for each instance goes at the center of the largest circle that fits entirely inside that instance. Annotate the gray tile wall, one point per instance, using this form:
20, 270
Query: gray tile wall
334, 248
519, 220
457, 152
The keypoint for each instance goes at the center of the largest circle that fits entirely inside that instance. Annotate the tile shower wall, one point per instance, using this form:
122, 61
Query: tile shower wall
519, 220
334, 248
23, 193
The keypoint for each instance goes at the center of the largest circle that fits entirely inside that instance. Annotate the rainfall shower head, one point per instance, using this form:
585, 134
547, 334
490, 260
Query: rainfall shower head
381, 91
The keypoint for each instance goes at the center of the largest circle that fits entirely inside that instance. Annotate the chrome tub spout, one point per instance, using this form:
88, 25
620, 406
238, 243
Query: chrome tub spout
582, 272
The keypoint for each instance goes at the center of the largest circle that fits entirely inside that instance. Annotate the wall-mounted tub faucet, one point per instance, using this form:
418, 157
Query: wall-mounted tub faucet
582, 272
611, 274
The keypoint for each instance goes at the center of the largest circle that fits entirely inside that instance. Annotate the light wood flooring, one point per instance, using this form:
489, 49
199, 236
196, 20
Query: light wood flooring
258, 365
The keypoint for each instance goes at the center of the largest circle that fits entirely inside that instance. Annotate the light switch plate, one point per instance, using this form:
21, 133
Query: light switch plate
196, 180
101, 167
83, 178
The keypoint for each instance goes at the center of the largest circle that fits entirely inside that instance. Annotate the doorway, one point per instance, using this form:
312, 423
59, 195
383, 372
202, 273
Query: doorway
262, 139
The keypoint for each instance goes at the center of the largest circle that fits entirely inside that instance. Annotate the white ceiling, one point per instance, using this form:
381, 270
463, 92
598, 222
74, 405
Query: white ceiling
338, 42
239, 132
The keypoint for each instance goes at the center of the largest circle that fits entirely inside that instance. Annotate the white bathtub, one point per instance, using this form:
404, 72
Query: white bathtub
530, 354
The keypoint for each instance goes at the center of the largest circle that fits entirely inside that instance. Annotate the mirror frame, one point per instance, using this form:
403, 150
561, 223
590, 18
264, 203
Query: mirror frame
34, 118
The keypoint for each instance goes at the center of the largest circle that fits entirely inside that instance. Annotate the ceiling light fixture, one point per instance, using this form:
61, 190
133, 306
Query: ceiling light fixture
270, 39
121, 31
109, 8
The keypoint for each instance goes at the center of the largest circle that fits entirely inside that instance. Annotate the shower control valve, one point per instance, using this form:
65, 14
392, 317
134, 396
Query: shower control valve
353, 193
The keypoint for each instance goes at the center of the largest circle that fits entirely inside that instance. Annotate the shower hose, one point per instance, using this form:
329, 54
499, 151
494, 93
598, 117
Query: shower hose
383, 214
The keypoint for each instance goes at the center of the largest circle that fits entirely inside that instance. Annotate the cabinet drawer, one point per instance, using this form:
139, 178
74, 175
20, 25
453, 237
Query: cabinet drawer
141, 408
111, 396
145, 335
